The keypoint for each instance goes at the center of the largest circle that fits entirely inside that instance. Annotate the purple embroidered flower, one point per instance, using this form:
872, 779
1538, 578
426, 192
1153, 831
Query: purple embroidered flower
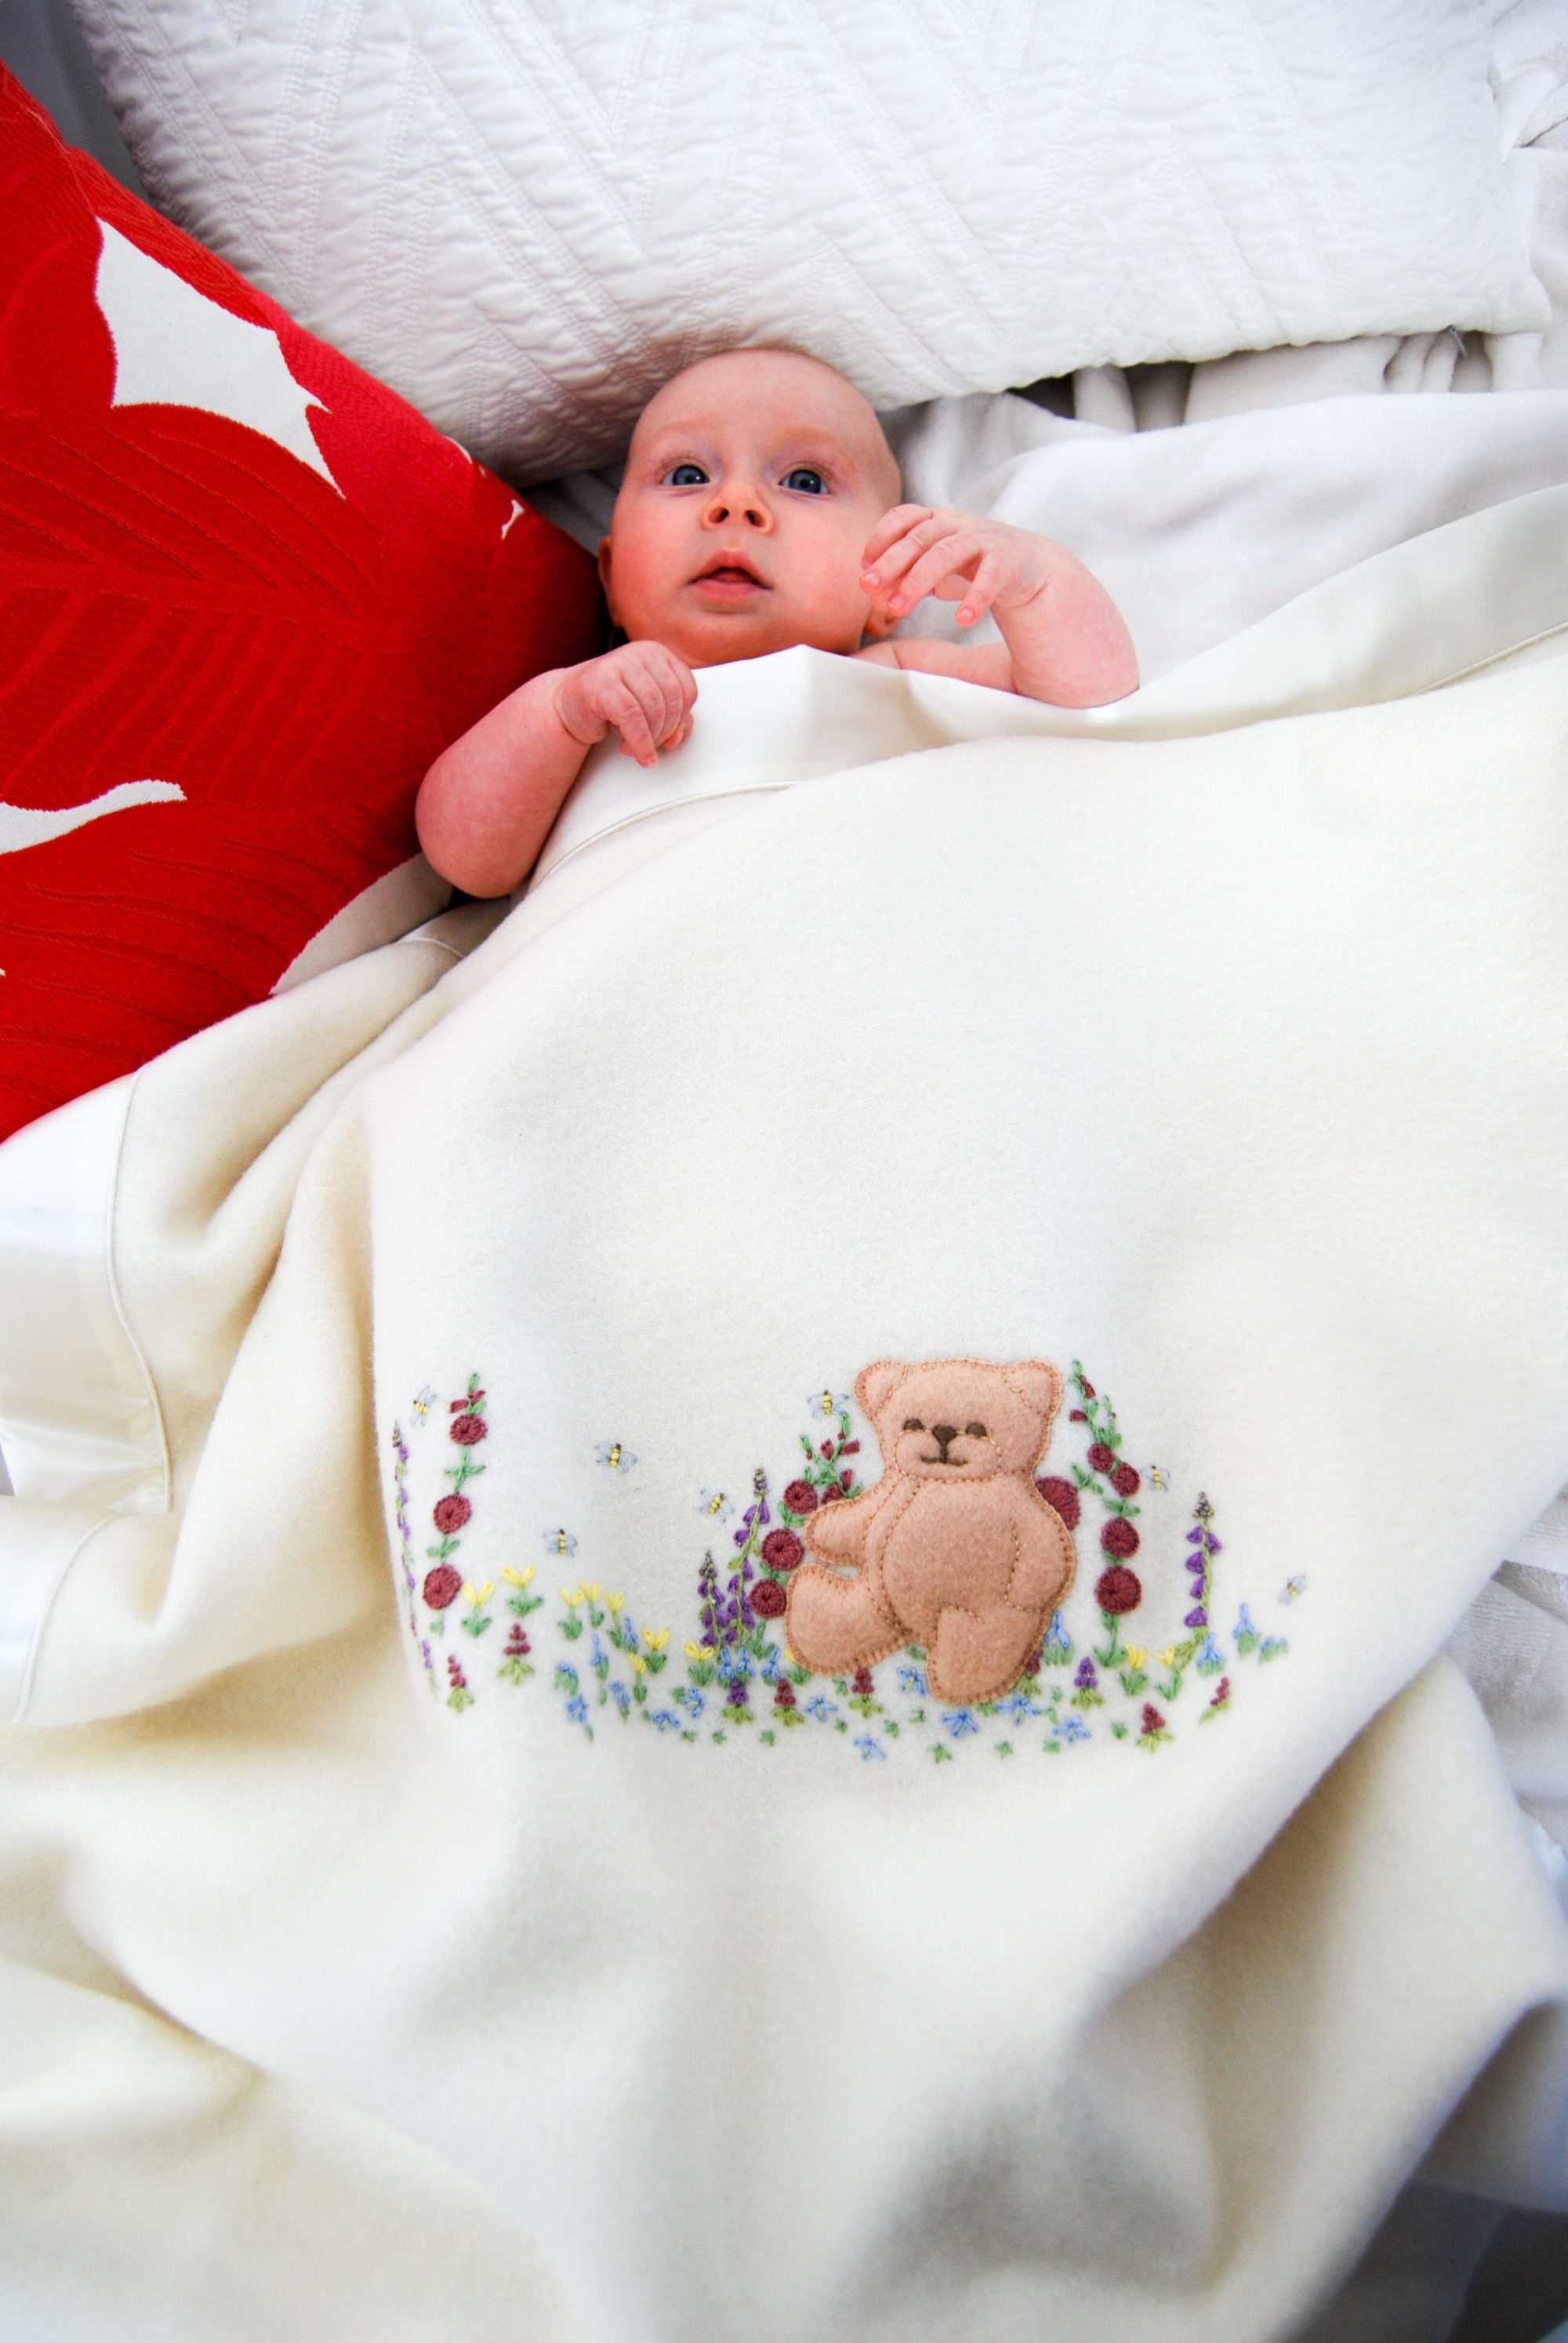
737, 1696
1120, 1538
1198, 1617
1061, 1496
450, 1514
781, 1549
442, 1586
468, 1428
800, 1497
1086, 1678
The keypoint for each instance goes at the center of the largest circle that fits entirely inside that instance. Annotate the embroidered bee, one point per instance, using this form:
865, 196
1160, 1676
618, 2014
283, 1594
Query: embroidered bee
715, 1504
828, 1403
1159, 1477
560, 1541
610, 1453
424, 1401
1292, 1589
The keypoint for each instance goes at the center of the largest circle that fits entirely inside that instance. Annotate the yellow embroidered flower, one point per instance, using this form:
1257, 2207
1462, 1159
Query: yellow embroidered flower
1167, 1656
656, 1638
1136, 1655
615, 1601
699, 1651
517, 1577
588, 1594
477, 1595
637, 1662
568, 1597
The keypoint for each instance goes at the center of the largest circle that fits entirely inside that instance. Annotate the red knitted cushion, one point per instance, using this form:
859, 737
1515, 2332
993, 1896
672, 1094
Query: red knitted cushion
247, 595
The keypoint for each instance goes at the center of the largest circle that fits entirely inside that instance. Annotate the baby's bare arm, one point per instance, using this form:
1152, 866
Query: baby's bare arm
1063, 638
486, 804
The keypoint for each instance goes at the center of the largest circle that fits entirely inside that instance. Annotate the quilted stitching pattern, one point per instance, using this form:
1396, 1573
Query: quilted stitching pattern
525, 212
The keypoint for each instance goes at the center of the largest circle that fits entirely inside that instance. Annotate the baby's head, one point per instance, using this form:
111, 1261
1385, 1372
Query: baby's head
751, 485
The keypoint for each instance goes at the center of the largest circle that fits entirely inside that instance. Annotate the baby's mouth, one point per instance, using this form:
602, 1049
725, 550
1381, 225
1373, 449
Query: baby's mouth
731, 579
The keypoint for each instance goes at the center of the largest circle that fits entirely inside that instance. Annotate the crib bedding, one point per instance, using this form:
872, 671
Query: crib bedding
932, 1045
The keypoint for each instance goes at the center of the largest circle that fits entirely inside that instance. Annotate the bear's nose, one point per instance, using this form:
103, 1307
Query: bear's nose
944, 1433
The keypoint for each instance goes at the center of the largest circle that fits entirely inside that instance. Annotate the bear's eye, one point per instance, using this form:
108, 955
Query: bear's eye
913, 1424
974, 1432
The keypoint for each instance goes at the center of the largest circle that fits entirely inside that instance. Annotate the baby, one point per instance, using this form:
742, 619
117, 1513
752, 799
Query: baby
760, 510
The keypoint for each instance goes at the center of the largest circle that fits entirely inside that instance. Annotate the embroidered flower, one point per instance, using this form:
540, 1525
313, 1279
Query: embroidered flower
517, 1577
1019, 1705
442, 1586
821, 1708
1120, 1538
1072, 1728
1061, 1497
960, 1721
1210, 1657
468, 1428
450, 1514
1196, 1618
912, 1680
800, 1497
577, 1709
1101, 1457
767, 1599
869, 1746
1125, 1479
784, 1695
781, 1549
1057, 1649
1118, 1590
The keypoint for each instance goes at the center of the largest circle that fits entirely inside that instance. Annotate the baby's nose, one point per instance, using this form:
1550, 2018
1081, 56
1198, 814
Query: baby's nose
737, 502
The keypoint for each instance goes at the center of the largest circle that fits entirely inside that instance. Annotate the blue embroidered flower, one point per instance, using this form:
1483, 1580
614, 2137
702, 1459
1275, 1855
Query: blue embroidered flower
1058, 1641
664, 1718
1244, 1632
823, 1708
771, 1661
621, 1697
1020, 1706
1211, 1657
577, 1709
691, 1700
1073, 1728
868, 1747
735, 1665
912, 1680
960, 1721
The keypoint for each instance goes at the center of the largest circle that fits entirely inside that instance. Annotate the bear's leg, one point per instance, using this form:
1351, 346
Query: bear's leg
833, 1625
981, 1654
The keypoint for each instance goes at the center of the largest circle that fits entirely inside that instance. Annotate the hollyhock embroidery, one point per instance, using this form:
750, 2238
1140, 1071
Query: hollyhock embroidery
736, 1660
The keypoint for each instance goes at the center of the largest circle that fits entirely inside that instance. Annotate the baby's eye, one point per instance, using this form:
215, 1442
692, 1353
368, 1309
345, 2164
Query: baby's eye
809, 482
684, 475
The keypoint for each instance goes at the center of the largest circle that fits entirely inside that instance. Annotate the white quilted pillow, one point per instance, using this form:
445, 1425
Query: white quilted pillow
524, 213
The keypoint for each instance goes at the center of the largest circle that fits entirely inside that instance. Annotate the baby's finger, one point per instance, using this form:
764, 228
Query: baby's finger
934, 569
890, 529
981, 590
932, 543
625, 713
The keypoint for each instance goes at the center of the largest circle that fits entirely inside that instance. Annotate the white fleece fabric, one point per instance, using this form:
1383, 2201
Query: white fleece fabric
1200, 1048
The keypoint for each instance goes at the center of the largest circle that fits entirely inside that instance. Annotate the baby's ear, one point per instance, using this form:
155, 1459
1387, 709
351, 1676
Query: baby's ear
875, 1384
604, 550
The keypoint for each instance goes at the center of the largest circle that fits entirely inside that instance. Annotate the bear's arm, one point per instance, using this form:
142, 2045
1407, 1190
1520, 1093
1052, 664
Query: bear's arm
1042, 1551
838, 1533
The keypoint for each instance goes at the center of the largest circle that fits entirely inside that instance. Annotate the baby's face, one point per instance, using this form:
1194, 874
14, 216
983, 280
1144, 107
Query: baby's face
753, 482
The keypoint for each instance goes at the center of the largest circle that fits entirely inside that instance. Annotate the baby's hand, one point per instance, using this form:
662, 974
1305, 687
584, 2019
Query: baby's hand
916, 550
642, 691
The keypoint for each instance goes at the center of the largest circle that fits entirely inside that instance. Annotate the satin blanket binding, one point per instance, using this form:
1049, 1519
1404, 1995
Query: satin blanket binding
743, 1670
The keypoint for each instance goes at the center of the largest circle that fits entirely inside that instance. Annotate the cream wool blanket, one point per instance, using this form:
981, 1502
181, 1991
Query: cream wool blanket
412, 1510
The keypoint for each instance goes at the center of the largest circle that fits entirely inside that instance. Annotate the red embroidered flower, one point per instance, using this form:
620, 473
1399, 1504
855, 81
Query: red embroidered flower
768, 1598
1078, 1416
862, 1683
800, 1497
466, 1429
1117, 1589
1101, 1457
847, 1479
1120, 1538
830, 1491
442, 1586
781, 1549
1087, 1388
785, 1697
1126, 1479
1152, 1720
450, 1514
1061, 1496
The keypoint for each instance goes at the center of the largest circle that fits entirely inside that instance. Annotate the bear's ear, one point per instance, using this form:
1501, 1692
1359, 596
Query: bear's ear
875, 1384
1039, 1386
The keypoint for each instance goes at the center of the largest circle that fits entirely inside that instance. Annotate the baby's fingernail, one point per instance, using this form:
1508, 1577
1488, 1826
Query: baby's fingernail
966, 616
895, 602
871, 577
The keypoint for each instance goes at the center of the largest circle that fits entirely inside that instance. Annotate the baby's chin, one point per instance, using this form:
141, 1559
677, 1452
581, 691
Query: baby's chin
719, 641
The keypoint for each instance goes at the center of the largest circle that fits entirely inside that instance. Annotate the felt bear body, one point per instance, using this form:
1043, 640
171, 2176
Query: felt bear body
954, 1547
